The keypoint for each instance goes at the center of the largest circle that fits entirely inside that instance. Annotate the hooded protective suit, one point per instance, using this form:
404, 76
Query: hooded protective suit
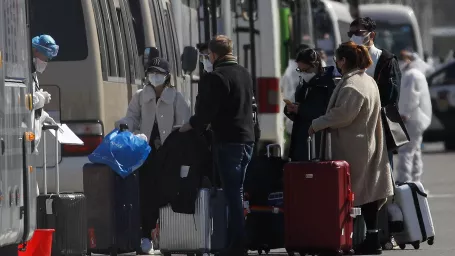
288, 85
415, 107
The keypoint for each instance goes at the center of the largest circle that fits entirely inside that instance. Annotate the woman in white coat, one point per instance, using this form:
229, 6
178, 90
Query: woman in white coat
154, 111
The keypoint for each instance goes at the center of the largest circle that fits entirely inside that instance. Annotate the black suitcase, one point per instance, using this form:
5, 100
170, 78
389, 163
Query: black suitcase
113, 210
66, 213
264, 175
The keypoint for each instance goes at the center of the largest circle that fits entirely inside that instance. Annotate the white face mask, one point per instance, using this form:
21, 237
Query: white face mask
360, 40
40, 65
307, 76
157, 79
208, 66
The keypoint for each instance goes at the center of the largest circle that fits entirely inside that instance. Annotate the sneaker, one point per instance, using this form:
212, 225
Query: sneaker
146, 246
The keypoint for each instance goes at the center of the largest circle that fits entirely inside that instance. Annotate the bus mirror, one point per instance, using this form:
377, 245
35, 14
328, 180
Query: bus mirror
150, 53
189, 59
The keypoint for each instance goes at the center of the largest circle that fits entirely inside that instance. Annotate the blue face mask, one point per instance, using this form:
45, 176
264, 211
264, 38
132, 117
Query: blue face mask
208, 66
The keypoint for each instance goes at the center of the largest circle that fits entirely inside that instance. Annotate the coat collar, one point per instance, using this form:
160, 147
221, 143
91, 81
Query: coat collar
350, 74
167, 95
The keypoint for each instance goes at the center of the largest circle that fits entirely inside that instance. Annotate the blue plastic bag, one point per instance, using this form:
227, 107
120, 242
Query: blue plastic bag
122, 151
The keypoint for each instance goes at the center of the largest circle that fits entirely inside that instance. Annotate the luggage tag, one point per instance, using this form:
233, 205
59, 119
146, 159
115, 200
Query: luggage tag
49, 206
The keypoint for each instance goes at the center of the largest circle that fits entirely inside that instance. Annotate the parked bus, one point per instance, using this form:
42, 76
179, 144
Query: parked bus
396, 27
99, 67
17, 178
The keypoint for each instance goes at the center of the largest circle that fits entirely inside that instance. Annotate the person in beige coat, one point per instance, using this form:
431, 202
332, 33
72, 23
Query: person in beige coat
353, 118
154, 112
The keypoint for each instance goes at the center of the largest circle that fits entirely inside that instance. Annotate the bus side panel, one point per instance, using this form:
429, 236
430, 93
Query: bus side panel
17, 192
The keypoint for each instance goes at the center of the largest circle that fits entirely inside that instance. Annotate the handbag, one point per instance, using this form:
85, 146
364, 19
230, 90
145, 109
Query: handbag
395, 131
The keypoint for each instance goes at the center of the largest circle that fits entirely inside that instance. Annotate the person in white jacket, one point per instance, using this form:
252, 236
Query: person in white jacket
154, 112
416, 112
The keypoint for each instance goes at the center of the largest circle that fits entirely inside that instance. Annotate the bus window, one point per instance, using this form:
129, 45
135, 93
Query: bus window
135, 9
158, 28
107, 31
323, 30
344, 28
64, 21
16, 64
127, 50
119, 41
395, 37
105, 62
172, 58
136, 67
175, 42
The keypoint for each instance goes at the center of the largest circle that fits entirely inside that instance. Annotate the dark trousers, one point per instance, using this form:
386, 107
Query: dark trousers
370, 213
231, 161
149, 215
391, 159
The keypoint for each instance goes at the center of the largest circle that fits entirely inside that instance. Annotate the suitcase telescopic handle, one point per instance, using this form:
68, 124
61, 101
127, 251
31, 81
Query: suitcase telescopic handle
311, 147
270, 146
57, 170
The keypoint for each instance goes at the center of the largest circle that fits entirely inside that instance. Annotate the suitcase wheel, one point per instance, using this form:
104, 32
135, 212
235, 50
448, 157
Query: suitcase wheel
416, 245
387, 246
402, 246
431, 240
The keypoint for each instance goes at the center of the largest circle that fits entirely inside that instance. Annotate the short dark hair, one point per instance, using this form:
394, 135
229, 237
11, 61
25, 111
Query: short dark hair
301, 48
220, 45
367, 22
310, 57
202, 46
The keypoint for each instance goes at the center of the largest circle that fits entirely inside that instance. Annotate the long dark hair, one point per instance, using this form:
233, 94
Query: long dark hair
310, 57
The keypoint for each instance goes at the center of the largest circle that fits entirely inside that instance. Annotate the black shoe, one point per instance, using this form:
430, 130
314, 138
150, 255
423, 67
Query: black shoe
371, 245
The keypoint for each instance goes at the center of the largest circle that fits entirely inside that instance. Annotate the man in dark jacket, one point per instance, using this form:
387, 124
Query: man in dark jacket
224, 101
385, 69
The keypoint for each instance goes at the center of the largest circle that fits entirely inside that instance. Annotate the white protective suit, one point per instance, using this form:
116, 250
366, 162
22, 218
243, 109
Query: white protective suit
415, 105
421, 65
40, 98
288, 84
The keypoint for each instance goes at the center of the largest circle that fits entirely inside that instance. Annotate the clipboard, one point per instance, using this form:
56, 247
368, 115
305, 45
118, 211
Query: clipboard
66, 136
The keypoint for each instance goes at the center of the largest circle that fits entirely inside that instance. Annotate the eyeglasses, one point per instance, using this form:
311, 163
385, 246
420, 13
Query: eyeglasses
203, 56
358, 32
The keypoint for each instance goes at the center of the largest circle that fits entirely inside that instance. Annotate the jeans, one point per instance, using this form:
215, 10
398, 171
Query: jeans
231, 160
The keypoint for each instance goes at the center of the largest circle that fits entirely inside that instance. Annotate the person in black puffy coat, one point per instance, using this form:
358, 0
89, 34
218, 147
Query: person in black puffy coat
312, 96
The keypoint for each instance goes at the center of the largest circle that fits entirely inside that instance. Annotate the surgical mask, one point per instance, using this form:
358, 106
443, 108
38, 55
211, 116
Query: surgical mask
307, 76
208, 66
360, 40
40, 65
157, 79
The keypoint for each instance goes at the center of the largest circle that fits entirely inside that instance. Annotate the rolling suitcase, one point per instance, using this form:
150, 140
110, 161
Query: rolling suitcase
264, 175
318, 205
113, 210
418, 224
64, 212
264, 225
204, 232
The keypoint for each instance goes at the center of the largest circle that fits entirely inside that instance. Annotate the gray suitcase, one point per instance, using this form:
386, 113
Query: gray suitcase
202, 233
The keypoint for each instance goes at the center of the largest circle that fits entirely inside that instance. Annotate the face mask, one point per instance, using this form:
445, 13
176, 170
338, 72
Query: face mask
40, 65
208, 66
360, 40
307, 76
157, 79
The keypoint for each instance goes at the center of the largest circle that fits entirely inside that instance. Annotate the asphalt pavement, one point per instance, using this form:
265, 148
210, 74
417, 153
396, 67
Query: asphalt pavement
439, 181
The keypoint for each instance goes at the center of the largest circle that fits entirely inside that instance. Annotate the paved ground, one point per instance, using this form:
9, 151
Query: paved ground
439, 181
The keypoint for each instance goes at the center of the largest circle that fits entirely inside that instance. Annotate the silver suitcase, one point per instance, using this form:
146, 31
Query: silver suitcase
201, 233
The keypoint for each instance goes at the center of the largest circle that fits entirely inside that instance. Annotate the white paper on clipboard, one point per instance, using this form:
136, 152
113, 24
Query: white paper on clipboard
66, 136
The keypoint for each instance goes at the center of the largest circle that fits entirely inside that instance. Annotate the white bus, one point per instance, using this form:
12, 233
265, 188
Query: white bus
17, 178
396, 27
99, 67
331, 22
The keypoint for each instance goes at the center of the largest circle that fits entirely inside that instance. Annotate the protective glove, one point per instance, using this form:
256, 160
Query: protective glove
46, 95
142, 136
38, 100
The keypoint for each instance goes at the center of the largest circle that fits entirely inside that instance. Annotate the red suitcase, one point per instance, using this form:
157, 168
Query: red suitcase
318, 206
